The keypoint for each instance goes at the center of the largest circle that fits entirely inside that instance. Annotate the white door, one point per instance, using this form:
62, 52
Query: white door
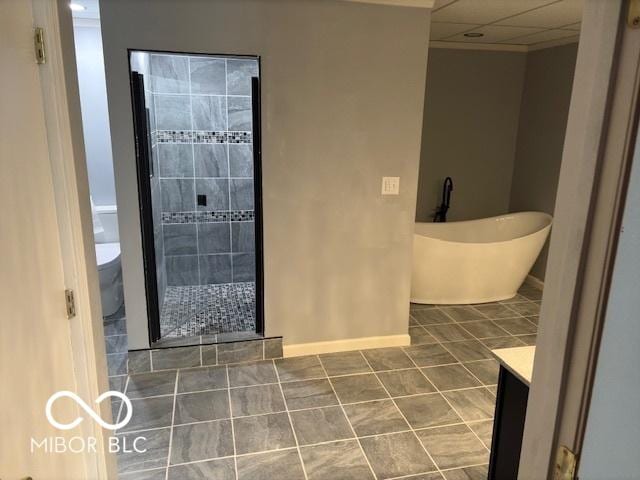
36, 338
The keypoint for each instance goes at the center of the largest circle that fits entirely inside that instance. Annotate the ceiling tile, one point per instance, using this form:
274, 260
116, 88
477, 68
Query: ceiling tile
443, 30
480, 12
494, 34
544, 36
555, 15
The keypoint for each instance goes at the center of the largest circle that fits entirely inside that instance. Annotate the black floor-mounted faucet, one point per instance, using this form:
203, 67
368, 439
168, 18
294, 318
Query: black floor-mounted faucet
441, 211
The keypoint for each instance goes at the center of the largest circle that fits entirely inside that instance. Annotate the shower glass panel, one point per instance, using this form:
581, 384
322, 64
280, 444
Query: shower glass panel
199, 198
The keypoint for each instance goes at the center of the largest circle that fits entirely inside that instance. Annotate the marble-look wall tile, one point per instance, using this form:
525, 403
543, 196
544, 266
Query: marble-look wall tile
215, 269
273, 348
177, 195
239, 73
207, 75
173, 112
209, 113
211, 160
240, 352
241, 160
180, 239
243, 237
244, 267
217, 192
178, 357
175, 160
169, 73
182, 270
239, 112
241, 192
213, 238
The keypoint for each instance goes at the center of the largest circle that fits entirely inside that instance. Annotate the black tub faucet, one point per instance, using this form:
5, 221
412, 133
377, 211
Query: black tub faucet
441, 211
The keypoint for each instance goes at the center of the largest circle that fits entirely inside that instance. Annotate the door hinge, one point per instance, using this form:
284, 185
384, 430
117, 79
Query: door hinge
633, 15
565, 468
70, 302
38, 40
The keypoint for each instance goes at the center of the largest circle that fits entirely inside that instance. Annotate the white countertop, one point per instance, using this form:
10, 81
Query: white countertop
518, 360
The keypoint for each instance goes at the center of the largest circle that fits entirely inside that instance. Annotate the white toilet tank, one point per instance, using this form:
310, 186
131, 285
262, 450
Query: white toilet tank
110, 273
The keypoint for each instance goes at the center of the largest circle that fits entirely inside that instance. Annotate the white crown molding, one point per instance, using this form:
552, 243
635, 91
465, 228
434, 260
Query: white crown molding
503, 47
400, 3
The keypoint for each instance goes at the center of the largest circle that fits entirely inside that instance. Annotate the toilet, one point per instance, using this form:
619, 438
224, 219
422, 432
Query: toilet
110, 273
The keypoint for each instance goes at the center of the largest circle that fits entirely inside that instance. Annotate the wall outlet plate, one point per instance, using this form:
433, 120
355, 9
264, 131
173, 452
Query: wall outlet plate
390, 185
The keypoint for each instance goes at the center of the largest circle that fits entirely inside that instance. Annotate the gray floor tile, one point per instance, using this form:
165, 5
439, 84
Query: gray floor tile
139, 361
201, 441
530, 292
151, 384
533, 318
526, 309
413, 322
156, 446
453, 446
207, 378
485, 370
484, 329
396, 455
450, 377
472, 404
493, 389
117, 363
150, 413
484, 430
431, 316
468, 350
320, 425
271, 466
159, 474
309, 394
344, 363
464, 313
425, 476
419, 336
248, 351
405, 382
448, 333
427, 410
373, 418
299, 368
263, 432
116, 343
117, 383
497, 310
517, 326
178, 357
358, 388
273, 348
469, 473
256, 400
517, 299
528, 339
201, 406
221, 469
387, 358
336, 461
429, 355
503, 342
254, 373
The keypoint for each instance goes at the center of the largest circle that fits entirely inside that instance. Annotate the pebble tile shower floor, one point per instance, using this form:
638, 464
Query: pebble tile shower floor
423, 412
208, 310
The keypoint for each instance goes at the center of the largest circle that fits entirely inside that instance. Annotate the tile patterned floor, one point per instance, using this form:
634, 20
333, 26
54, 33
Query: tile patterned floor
208, 310
422, 412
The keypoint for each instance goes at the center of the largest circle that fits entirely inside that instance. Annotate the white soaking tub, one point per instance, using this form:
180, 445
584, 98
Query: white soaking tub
475, 261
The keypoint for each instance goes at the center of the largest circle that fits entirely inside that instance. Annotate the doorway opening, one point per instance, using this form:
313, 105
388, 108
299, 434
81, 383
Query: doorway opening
197, 129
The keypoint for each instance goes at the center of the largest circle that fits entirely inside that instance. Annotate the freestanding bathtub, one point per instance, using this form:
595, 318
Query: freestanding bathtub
475, 261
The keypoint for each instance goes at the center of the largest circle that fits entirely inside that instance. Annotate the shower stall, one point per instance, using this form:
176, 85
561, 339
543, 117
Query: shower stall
197, 129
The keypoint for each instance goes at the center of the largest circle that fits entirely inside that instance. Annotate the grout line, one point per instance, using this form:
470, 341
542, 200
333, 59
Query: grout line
286, 406
401, 412
355, 435
173, 414
233, 430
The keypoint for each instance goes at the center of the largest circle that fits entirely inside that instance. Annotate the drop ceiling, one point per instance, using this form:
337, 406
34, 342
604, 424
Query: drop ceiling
505, 24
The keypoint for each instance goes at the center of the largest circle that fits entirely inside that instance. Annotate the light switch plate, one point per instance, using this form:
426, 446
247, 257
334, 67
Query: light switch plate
390, 185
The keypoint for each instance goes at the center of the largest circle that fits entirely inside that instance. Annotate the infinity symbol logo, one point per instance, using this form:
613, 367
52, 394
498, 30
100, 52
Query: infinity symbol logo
88, 409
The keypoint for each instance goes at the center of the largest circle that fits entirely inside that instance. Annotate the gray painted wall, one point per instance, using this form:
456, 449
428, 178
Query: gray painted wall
543, 122
613, 428
342, 97
95, 115
472, 104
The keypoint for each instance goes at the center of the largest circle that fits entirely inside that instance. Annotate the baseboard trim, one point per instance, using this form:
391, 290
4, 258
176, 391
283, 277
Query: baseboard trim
361, 343
535, 281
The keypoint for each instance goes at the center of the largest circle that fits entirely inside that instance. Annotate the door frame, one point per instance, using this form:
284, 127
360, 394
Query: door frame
593, 179
153, 303
63, 121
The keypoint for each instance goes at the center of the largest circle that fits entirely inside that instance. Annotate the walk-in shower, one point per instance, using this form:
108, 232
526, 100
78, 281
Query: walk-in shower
197, 127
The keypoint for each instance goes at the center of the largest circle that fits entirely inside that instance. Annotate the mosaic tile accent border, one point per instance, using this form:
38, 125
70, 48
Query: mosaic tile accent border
203, 136
152, 360
218, 216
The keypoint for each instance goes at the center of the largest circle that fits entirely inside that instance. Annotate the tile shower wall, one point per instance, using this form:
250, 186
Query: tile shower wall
205, 167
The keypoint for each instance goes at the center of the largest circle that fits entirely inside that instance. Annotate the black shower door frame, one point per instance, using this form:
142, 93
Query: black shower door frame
144, 171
